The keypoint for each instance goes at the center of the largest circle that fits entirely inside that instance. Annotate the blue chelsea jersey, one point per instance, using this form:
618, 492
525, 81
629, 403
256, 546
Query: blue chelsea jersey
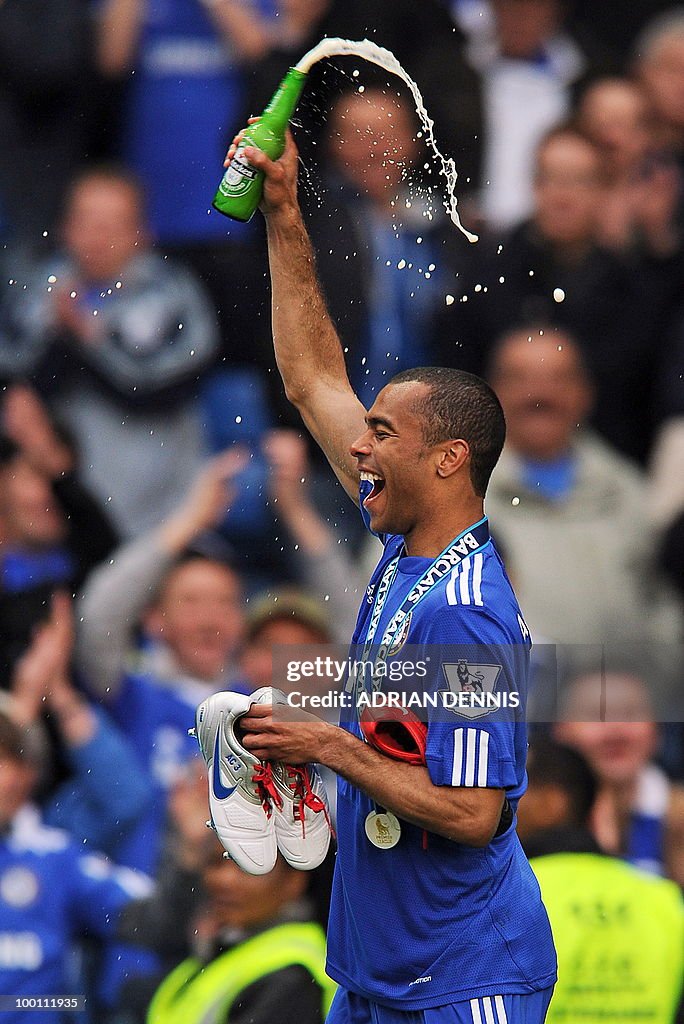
183, 105
51, 892
424, 924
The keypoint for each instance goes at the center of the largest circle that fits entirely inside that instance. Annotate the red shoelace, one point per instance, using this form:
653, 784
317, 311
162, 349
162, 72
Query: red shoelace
304, 796
266, 788
299, 782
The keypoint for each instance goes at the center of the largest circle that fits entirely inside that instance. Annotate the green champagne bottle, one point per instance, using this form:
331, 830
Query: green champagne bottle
240, 190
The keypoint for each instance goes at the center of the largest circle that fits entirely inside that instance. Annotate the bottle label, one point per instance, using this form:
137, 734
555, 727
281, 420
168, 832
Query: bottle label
238, 178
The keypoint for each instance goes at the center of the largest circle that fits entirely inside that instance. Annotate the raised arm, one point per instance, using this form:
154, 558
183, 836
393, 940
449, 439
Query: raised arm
118, 591
120, 24
307, 348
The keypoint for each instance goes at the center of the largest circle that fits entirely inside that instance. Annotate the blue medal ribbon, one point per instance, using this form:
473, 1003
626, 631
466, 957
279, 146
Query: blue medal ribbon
469, 542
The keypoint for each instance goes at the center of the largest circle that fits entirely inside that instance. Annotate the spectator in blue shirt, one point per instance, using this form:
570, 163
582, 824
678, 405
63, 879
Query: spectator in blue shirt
51, 890
105, 791
53, 530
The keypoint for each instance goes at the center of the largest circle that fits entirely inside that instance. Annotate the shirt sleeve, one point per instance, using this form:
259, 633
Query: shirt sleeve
474, 755
97, 804
101, 890
476, 728
115, 595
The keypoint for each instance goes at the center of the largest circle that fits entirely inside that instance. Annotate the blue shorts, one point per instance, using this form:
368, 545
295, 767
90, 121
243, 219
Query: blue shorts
348, 1008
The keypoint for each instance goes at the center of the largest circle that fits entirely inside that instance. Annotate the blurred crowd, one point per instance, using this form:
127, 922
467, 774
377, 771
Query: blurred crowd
164, 521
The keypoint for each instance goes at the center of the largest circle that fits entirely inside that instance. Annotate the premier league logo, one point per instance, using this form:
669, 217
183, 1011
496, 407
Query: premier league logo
473, 686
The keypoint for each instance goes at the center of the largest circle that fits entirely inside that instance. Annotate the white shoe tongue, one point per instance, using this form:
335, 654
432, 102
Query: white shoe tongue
268, 695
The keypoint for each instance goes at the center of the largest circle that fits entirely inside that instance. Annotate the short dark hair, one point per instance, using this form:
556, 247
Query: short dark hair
287, 604
109, 171
553, 764
208, 548
532, 330
571, 129
460, 405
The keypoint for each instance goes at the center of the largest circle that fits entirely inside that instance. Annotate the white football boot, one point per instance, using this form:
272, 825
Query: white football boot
241, 788
300, 806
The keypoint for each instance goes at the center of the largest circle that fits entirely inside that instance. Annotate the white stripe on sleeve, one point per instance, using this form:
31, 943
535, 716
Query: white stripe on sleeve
451, 587
488, 1010
483, 758
478, 562
464, 581
500, 1009
457, 770
475, 1010
469, 775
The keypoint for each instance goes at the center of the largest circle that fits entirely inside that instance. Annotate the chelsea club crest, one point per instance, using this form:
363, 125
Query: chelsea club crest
400, 639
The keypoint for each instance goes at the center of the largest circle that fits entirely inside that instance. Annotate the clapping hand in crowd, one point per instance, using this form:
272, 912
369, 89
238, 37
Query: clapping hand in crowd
207, 501
286, 454
42, 679
72, 318
27, 422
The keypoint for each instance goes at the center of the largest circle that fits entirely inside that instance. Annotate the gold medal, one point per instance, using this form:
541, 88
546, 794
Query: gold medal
383, 829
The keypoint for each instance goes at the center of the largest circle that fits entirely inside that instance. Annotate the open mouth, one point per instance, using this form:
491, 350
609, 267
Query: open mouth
378, 486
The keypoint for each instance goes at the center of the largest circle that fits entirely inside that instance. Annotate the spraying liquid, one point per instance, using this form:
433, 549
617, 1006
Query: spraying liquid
385, 59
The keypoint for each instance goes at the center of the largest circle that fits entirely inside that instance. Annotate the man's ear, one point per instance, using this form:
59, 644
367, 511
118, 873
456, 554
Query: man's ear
452, 456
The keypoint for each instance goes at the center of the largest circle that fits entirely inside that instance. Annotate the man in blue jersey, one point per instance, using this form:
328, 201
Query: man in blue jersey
52, 889
452, 929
